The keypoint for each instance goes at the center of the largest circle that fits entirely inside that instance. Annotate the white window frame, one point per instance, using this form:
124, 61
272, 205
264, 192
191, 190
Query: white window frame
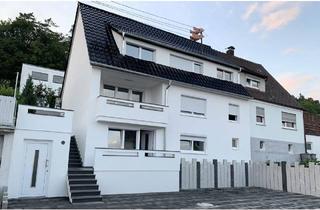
249, 83
129, 92
193, 139
195, 114
263, 147
237, 143
224, 72
123, 134
263, 117
140, 47
237, 116
308, 142
192, 61
286, 123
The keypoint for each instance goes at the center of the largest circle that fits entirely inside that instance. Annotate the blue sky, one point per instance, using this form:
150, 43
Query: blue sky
283, 36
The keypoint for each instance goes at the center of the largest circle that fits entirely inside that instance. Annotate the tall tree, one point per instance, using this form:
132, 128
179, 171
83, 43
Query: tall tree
27, 40
309, 104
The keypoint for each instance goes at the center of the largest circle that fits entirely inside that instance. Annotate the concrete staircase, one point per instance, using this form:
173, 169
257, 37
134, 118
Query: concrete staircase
82, 184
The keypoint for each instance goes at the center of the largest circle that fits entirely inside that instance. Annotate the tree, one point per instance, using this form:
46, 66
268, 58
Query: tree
309, 104
27, 40
28, 96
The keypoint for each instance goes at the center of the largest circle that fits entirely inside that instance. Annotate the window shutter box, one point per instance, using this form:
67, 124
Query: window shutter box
233, 109
260, 111
288, 117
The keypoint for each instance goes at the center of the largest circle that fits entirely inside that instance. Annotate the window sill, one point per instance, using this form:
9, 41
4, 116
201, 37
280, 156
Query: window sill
235, 148
192, 152
260, 124
288, 128
192, 115
232, 121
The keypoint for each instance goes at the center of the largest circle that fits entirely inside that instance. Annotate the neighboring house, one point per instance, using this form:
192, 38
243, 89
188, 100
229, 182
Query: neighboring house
312, 132
143, 98
144, 89
51, 78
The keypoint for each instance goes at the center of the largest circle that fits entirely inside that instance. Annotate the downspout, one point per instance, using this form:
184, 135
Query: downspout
166, 92
123, 43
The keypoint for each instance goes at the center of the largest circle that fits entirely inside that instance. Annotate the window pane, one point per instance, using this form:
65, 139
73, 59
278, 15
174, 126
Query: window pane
130, 140
39, 76
309, 146
197, 68
181, 63
261, 146
235, 143
227, 76
132, 51
220, 74
137, 96
123, 93
146, 54
260, 119
232, 117
185, 145
114, 139
198, 146
109, 90
57, 79
254, 83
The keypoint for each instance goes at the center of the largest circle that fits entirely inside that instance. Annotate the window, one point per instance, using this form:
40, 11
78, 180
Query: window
253, 83
185, 64
192, 143
114, 139
235, 143
261, 145
1, 148
140, 52
288, 120
233, 112
57, 79
122, 93
137, 96
309, 146
191, 105
39, 76
260, 115
122, 139
290, 148
224, 75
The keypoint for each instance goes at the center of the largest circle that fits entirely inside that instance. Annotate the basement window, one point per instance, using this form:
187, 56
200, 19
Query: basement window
235, 143
290, 148
262, 145
309, 146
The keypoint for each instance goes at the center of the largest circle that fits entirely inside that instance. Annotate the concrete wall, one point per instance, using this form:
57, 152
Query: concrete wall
56, 131
27, 70
6, 158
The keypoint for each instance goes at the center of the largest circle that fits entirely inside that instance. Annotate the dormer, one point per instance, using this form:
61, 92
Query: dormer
252, 81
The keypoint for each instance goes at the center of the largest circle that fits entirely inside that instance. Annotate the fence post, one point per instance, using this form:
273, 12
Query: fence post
198, 174
180, 175
215, 163
284, 176
246, 172
232, 174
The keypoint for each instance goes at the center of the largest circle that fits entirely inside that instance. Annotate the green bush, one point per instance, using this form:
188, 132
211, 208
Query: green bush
6, 89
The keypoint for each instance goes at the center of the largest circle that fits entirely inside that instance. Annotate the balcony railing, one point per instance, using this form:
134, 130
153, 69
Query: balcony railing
120, 159
125, 111
7, 111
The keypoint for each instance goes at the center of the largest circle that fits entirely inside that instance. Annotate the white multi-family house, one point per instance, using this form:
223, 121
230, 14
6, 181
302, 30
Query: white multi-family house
50, 78
142, 98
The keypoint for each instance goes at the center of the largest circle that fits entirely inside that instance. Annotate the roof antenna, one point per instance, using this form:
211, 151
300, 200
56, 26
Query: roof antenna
196, 34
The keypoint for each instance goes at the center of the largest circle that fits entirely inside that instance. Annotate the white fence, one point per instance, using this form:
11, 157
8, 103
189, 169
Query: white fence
7, 108
283, 177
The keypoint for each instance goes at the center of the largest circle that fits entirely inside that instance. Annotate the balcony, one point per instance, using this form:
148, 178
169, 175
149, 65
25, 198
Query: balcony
7, 107
132, 112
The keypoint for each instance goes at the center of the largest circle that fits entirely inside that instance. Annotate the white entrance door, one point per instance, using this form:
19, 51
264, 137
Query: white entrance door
35, 169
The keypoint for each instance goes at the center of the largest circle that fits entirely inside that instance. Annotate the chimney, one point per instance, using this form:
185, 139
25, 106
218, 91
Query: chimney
230, 50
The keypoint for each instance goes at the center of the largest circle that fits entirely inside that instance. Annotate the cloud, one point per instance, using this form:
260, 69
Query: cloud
272, 15
249, 11
304, 83
290, 50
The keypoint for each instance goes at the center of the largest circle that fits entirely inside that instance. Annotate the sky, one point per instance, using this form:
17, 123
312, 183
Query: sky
283, 36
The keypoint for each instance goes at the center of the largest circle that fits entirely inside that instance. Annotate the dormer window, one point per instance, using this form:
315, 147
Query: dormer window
185, 64
253, 83
224, 75
139, 52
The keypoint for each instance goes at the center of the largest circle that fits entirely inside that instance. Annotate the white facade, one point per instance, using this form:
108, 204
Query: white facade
315, 145
51, 78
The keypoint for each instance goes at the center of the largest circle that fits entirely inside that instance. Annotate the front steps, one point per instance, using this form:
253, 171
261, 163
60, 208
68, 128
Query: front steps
82, 183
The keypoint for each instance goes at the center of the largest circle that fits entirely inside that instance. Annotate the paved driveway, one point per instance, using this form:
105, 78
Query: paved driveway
213, 198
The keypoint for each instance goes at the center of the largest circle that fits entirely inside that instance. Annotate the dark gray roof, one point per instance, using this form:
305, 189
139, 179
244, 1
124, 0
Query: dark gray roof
102, 49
